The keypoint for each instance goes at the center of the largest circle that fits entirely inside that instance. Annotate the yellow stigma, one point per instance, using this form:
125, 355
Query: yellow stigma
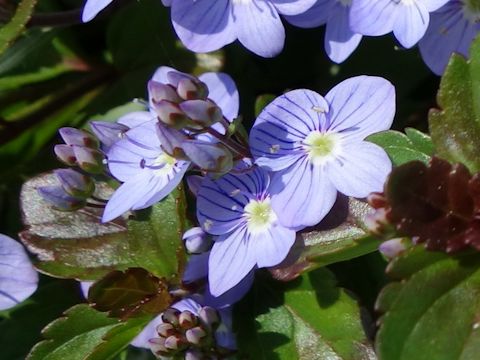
259, 215
320, 146
163, 164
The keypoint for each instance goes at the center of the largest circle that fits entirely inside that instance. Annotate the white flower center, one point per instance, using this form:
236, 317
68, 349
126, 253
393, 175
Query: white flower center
163, 164
321, 147
259, 215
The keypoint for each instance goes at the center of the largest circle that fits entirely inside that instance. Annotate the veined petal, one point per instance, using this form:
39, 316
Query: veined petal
231, 296
340, 41
258, 27
315, 16
292, 7
18, 278
361, 169
373, 17
301, 195
231, 259
203, 25
411, 23
93, 7
223, 91
433, 5
197, 267
361, 106
136, 118
272, 248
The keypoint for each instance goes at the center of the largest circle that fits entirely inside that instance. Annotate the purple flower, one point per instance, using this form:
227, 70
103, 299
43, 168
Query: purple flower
237, 208
18, 278
208, 25
92, 8
315, 146
408, 19
452, 29
340, 40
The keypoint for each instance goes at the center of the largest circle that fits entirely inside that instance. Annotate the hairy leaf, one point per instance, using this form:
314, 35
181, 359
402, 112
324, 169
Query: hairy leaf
10, 31
437, 204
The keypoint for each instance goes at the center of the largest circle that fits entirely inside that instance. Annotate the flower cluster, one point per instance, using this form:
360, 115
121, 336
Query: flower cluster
440, 27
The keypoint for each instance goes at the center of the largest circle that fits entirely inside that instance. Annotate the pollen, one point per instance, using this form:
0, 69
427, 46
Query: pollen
321, 147
259, 215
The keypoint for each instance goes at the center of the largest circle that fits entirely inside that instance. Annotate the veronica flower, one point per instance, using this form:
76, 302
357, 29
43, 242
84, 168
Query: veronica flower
208, 25
452, 29
408, 19
340, 40
315, 146
19, 278
237, 208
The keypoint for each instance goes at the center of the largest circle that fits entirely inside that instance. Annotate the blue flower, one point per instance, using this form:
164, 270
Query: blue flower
340, 40
315, 146
237, 208
19, 278
408, 19
452, 29
208, 25
92, 8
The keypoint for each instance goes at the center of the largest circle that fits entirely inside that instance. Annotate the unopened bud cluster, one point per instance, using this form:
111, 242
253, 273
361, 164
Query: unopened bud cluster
184, 335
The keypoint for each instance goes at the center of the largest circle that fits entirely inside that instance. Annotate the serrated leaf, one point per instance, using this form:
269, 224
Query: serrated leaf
455, 129
340, 236
130, 293
433, 314
403, 148
16, 25
83, 333
77, 245
308, 319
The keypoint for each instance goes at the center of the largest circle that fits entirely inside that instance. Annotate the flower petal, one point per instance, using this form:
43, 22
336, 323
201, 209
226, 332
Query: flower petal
272, 248
292, 7
231, 296
92, 8
301, 195
136, 118
433, 5
231, 259
373, 17
223, 91
361, 106
18, 278
411, 23
362, 169
315, 16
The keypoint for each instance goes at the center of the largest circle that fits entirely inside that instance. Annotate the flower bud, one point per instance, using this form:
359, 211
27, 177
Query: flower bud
192, 89
59, 199
209, 317
170, 113
107, 132
174, 342
197, 241
202, 113
157, 345
171, 316
89, 160
158, 92
174, 77
208, 157
196, 335
74, 183
187, 320
65, 154
73, 136
165, 330
394, 247
194, 354
171, 140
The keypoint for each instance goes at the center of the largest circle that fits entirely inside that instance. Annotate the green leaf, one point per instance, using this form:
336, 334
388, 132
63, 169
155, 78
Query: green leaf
403, 148
10, 31
433, 311
308, 319
455, 129
77, 245
341, 236
262, 101
131, 293
84, 333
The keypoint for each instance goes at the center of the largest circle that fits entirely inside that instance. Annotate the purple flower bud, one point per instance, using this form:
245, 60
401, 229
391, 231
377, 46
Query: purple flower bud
209, 316
194, 182
107, 132
174, 342
187, 320
190, 89
165, 330
89, 160
174, 77
202, 113
73, 136
207, 156
195, 335
394, 247
194, 355
171, 316
197, 241
74, 183
59, 199
171, 140
157, 345
158, 92
170, 113
65, 154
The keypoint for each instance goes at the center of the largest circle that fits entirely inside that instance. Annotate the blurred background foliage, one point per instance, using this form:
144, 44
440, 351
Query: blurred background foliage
63, 73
